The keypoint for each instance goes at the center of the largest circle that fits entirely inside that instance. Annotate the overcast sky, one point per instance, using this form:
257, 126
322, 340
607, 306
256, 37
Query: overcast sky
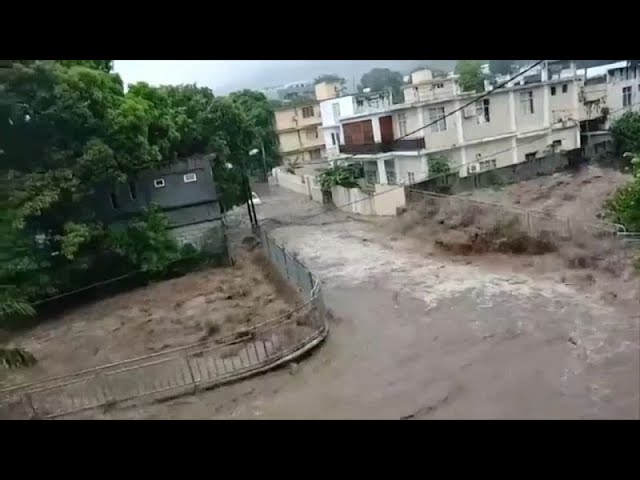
224, 76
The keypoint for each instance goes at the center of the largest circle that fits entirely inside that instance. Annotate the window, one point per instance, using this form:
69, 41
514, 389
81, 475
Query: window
487, 164
565, 88
132, 191
311, 134
189, 177
335, 138
411, 177
482, 111
437, 115
626, 97
402, 124
526, 102
307, 112
114, 200
158, 182
553, 90
336, 111
528, 157
600, 147
438, 85
316, 154
556, 144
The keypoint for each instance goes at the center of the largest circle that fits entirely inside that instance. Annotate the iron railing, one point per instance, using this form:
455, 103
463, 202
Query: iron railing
408, 144
186, 369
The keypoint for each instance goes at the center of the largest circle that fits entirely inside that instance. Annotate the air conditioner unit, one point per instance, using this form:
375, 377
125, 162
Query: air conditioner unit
472, 168
470, 111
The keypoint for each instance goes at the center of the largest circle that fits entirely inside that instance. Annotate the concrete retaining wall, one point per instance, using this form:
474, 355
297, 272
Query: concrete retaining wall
208, 236
453, 184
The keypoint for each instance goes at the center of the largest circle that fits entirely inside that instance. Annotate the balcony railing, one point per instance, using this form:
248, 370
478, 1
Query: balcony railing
408, 144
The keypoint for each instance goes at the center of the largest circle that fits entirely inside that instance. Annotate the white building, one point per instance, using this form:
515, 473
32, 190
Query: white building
609, 91
511, 125
335, 109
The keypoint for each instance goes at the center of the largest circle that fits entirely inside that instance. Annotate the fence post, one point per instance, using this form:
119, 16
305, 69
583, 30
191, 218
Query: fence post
284, 258
28, 402
193, 378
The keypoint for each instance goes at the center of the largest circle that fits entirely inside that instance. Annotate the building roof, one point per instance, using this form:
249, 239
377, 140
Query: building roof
601, 69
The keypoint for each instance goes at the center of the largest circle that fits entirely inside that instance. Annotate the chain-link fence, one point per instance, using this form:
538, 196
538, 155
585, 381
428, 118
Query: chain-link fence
187, 369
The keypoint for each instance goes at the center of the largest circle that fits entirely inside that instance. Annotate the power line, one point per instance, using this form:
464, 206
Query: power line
486, 94
472, 102
533, 139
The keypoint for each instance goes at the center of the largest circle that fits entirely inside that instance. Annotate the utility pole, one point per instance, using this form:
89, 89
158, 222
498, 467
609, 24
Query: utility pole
264, 162
251, 210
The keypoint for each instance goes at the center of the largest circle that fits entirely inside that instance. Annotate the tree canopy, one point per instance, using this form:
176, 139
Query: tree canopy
330, 78
624, 206
382, 78
626, 133
471, 77
500, 67
66, 126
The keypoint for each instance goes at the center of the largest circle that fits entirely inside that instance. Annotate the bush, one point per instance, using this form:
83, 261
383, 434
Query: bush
438, 165
146, 242
626, 133
624, 207
340, 175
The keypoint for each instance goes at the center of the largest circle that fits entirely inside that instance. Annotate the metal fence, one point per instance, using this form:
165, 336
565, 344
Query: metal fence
187, 369
532, 221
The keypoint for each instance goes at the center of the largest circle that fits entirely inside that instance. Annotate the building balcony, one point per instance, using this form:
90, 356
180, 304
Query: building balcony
408, 144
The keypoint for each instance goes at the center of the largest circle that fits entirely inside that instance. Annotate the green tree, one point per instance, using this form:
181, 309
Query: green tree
339, 175
626, 133
624, 206
104, 65
471, 77
383, 78
500, 67
260, 117
330, 78
438, 165
66, 126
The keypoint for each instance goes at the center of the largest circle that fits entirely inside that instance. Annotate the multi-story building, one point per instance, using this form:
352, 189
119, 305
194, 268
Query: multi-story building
514, 124
297, 127
609, 91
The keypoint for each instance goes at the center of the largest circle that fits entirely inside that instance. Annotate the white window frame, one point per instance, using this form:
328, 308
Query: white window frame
189, 177
336, 111
626, 96
526, 102
437, 115
335, 138
402, 124
565, 87
487, 164
483, 111
411, 178
159, 183
553, 90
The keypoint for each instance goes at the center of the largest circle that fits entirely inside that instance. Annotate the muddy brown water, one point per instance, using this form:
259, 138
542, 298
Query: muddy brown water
424, 337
